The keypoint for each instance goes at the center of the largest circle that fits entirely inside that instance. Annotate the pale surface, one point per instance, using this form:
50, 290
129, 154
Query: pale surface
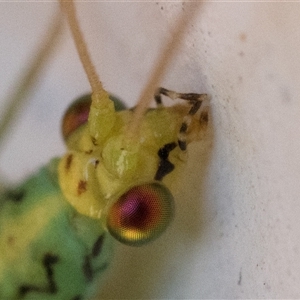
237, 233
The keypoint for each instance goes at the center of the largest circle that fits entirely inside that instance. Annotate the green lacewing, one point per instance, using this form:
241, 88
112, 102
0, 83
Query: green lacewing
115, 183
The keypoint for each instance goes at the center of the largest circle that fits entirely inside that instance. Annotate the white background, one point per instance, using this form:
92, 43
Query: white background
237, 228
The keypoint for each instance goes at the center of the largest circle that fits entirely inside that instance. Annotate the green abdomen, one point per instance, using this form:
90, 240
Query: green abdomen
47, 249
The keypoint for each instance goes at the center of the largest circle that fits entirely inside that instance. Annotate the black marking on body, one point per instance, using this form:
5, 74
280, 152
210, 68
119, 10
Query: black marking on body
165, 166
87, 267
183, 127
15, 196
97, 247
48, 261
69, 162
96, 163
94, 141
182, 145
82, 187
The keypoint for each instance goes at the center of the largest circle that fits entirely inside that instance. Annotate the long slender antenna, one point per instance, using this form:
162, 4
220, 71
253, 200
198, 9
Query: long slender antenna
157, 73
19, 95
161, 66
69, 9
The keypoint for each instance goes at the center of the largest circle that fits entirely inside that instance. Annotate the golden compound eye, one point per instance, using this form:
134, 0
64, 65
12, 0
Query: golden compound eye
141, 214
78, 113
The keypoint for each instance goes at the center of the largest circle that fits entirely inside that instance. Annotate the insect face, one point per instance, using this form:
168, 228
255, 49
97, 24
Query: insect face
115, 177
112, 176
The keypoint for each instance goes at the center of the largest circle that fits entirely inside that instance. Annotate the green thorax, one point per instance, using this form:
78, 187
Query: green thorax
48, 250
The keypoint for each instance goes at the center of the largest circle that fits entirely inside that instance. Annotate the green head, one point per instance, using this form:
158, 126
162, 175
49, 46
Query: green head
120, 163
118, 178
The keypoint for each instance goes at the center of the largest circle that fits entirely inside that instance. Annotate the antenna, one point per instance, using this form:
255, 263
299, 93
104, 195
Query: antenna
162, 65
157, 73
84, 55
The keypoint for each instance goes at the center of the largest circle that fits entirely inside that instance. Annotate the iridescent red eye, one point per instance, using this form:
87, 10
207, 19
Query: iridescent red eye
141, 214
76, 115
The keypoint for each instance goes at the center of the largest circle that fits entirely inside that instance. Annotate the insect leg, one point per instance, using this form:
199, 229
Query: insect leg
195, 100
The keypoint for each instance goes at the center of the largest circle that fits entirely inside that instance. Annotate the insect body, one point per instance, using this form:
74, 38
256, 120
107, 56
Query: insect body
48, 250
115, 181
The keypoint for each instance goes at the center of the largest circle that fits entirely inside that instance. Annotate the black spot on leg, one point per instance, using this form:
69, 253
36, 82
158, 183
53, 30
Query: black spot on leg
191, 97
195, 108
15, 196
163, 91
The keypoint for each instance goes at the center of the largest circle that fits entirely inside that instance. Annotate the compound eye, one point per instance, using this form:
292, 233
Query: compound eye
76, 115
141, 214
